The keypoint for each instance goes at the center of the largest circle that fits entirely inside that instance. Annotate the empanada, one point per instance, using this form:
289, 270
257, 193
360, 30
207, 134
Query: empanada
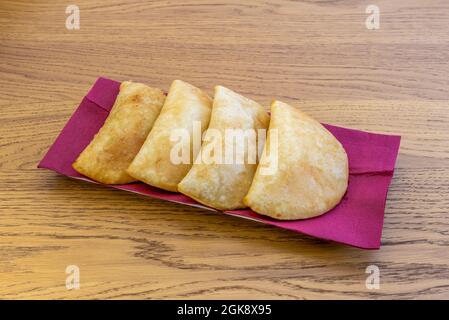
219, 182
310, 173
186, 107
115, 145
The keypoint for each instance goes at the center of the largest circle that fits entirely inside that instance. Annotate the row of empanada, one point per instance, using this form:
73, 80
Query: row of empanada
136, 143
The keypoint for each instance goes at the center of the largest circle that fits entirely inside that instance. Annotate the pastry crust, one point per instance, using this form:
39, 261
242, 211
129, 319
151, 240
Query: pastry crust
312, 172
184, 105
220, 185
117, 142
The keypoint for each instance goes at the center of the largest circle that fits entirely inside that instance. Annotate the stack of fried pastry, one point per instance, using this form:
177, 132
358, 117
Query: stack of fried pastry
301, 169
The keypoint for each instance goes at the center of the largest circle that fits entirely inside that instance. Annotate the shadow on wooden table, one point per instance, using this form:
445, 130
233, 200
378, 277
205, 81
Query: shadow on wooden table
182, 227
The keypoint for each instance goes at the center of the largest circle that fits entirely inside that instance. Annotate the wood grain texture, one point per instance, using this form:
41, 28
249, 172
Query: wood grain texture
314, 54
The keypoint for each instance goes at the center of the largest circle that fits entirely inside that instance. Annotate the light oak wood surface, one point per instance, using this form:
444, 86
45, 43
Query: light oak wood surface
317, 55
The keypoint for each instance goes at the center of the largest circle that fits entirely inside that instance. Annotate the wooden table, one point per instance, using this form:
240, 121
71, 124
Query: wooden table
317, 55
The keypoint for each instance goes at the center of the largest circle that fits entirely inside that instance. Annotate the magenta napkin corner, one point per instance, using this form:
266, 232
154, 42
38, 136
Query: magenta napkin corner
356, 221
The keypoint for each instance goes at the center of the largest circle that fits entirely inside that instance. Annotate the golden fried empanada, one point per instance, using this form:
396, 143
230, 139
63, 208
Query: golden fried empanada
311, 168
115, 145
218, 181
185, 107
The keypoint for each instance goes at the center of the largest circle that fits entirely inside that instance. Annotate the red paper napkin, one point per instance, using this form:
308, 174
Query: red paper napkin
356, 221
